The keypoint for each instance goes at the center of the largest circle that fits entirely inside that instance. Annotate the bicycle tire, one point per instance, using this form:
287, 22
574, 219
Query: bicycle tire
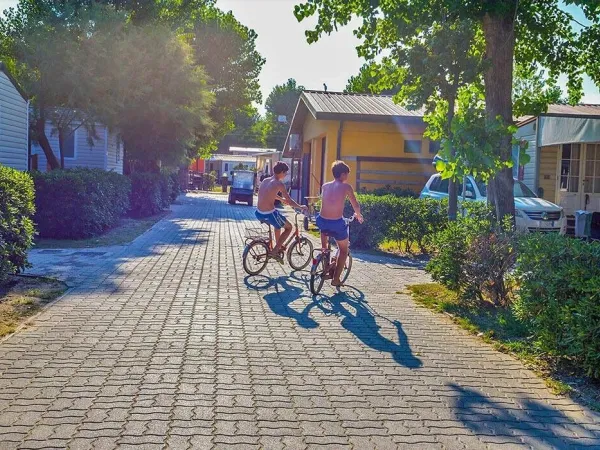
262, 257
317, 275
305, 247
347, 268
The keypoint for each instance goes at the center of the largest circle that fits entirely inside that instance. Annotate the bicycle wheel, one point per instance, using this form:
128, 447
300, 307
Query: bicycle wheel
347, 268
317, 275
299, 253
255, 257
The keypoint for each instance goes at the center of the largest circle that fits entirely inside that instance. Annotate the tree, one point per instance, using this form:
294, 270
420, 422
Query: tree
539, 30
246, 132
154, 93
368, 78
282, 101
46, 47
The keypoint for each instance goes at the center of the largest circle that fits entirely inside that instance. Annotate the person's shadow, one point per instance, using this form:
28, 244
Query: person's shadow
281, 299
363, 324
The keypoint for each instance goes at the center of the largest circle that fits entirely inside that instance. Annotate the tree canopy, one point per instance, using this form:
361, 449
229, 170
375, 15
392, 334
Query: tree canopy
532, 33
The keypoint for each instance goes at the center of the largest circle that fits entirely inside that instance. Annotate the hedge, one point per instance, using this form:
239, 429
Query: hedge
16, 225
79, 203
559, 296
150, 193
390, 217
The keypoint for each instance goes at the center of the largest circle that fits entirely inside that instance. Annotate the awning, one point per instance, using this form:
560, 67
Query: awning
565, 130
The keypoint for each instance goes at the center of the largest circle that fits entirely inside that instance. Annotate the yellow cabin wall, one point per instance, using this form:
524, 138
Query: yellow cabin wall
548, 172
367, 139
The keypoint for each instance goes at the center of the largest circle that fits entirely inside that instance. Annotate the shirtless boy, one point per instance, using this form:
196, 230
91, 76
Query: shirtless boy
330, 220
268, 193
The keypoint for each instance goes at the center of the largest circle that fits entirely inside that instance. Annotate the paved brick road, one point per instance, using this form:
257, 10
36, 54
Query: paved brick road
165, 344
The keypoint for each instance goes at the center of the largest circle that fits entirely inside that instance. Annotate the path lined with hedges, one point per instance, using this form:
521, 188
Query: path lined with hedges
166, 343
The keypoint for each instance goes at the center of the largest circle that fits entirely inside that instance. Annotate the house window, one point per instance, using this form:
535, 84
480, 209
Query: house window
434, 147
569, 167
226, 167
68, 150
412, 146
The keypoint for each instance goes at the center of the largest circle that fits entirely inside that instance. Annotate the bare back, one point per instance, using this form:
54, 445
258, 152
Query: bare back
333, 198
267, 193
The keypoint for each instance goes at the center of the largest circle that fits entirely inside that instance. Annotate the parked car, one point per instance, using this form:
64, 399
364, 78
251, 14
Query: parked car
531, 212
242, 187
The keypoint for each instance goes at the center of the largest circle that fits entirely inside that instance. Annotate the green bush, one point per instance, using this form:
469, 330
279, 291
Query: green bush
79, 203
166, 189
146, 194
394, 190
559, 296
403, 219
473, 257
16, 226
175, 186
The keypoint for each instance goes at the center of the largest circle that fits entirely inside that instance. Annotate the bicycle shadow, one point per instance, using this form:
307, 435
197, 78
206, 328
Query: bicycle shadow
361, 320
281, 299
350, 305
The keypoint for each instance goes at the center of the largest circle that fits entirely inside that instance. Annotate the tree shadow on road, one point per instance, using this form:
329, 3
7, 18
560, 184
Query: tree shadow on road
527, 421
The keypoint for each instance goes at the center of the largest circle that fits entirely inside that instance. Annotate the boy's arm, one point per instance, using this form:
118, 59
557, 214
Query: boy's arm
355, 204
287, 199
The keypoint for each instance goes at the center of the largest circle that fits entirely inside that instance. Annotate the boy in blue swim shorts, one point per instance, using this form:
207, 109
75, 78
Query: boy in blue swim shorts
330, 220
272, 189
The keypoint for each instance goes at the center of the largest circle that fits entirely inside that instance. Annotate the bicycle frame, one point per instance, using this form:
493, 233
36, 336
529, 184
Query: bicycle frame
293, 236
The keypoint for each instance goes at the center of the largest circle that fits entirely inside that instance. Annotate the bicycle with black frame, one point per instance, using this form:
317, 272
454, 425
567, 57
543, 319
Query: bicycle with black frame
324, 264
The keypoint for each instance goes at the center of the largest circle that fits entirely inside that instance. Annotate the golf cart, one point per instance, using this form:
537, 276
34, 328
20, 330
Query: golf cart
242, 187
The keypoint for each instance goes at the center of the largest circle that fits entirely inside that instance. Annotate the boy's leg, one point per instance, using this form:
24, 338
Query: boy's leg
287, 229
341, 261
324, 240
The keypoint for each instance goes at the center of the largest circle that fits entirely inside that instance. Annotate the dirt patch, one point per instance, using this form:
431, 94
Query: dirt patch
23, 297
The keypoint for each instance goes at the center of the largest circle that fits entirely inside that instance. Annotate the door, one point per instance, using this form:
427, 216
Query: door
569, 181
591, 180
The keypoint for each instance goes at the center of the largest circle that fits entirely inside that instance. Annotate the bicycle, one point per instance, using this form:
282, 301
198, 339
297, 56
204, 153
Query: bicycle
324, 264
260, 243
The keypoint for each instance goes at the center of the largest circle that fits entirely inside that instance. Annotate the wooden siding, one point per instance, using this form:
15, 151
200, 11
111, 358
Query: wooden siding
528, 133
86, 155
114, 160
548, 172
13, 126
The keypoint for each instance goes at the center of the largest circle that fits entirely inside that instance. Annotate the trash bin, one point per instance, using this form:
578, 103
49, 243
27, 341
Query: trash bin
224, 182
583, 223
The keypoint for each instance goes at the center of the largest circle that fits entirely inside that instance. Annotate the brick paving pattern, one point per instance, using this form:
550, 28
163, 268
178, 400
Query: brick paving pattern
166, 344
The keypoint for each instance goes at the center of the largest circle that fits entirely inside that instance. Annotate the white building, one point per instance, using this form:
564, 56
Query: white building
14, 125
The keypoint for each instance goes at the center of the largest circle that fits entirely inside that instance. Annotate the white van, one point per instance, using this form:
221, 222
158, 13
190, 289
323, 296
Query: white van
531, 212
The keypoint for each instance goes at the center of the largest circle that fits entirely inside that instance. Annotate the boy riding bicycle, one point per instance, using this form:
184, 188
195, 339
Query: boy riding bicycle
330, 220
268, 194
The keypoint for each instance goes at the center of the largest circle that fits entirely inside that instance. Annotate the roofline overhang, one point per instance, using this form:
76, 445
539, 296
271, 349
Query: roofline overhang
575, 116
4, 69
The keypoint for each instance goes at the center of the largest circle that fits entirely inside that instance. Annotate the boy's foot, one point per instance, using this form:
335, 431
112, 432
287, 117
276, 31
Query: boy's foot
277, 256
337, 283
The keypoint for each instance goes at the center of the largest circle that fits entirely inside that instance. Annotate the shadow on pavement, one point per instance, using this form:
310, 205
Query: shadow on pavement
535, 423
350, 305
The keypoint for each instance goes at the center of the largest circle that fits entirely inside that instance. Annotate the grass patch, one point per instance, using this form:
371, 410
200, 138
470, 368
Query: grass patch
127, 230
500, 328
400, 247
22, 297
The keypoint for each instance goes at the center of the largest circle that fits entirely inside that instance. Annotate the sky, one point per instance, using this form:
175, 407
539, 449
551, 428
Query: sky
332, 60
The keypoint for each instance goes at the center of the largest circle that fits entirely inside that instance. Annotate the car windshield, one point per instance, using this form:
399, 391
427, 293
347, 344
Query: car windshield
520, 190
243, 180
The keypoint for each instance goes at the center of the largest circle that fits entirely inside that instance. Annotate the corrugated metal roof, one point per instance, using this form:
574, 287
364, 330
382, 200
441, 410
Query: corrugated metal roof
233, 158
321, 102
580, 110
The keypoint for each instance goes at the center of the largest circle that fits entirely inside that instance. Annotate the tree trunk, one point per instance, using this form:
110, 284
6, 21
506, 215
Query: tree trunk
500, 48
61, 143
40, 131
452, 188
